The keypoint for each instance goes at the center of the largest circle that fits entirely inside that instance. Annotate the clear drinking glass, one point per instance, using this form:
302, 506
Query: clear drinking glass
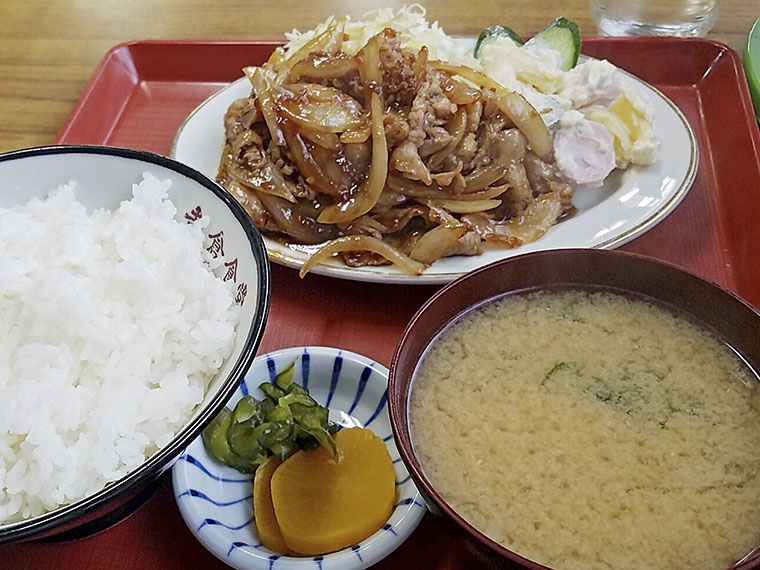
682, 18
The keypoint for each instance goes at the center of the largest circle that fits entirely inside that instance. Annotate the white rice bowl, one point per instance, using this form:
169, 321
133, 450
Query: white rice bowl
113, 328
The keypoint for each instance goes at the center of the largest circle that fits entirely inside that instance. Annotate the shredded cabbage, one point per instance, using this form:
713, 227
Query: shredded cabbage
409, 22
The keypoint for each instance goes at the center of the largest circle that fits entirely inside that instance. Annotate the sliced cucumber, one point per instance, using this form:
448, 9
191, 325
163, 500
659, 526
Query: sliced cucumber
491, 34
563, 36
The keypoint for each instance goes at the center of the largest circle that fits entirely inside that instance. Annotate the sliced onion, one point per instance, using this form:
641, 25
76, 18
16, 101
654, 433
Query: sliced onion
363, 243
396, 219
460, 93
321, 67
538, 218
248, 199
364, 198
368, 60
267, 178
487, 194
456, 128
403, 185
528, 120
434, 243
264, 93
365, 225
303, 154
475, 77
512, 104
464, 206
487, 230
412, 189
446, 179
329, 141
367, 195
357, 134
296, 219
333, 115
277, 56
329, 40
478, 189
419, 65
417, 190
336, 167
442, 217
317, 92
483, 177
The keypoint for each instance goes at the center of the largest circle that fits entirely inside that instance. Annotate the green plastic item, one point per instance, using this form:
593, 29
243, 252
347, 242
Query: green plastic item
751, 62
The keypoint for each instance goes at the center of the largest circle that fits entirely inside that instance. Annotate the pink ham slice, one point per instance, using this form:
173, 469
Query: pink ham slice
584, 153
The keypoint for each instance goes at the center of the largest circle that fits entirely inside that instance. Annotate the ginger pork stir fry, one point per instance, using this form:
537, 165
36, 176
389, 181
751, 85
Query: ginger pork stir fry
387, 156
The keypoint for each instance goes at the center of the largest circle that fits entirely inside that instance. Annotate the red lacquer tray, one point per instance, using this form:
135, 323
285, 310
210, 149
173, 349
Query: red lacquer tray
141, 93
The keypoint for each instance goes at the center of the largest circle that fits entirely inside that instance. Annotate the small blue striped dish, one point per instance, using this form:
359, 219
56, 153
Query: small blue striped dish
216, 501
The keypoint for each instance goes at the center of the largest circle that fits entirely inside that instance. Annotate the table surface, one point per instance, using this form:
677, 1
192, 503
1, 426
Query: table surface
48, 52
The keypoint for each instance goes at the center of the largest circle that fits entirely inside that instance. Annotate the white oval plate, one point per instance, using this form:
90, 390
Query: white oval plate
216, 501
629, 203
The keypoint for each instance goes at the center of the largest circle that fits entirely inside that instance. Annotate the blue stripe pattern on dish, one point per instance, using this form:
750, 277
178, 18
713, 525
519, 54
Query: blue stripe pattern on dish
354, 388
193, 461
198, 494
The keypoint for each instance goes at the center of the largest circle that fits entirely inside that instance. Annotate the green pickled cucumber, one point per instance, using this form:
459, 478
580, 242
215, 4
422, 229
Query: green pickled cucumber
285, 420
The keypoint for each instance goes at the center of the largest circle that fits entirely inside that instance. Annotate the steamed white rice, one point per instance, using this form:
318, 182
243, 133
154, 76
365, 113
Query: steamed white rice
112, 325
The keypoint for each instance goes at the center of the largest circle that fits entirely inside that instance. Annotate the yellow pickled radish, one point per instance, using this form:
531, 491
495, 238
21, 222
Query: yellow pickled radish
266, 522
324, 503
